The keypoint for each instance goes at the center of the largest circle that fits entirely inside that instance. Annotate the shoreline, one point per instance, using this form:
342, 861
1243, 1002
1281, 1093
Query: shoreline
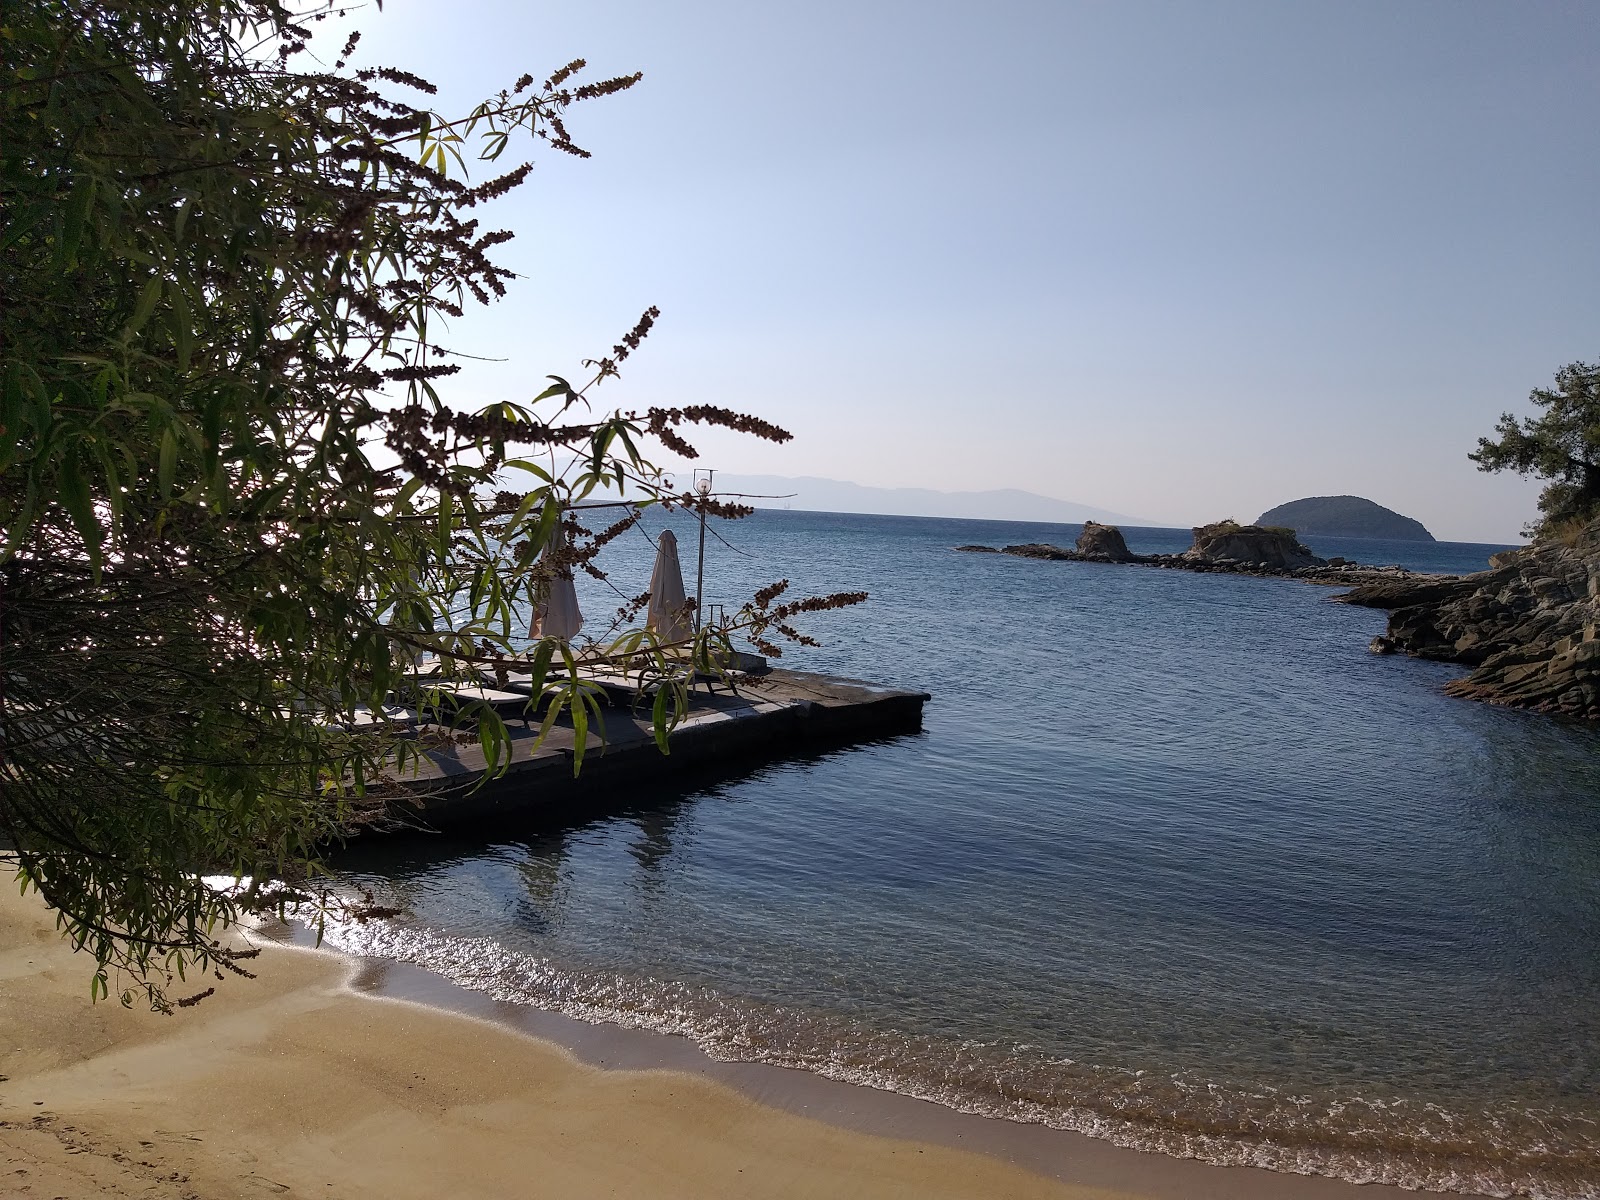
331, 1075
1072, 1158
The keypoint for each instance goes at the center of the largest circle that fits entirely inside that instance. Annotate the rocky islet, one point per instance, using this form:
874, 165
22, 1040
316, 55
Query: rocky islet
1345, 516
1223, 546
1529, 627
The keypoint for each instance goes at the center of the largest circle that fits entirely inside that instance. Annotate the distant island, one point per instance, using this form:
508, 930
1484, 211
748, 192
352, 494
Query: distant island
1344, 516
834, 495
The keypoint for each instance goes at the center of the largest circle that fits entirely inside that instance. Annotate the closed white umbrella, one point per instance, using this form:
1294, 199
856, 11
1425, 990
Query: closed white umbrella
668, 613
559, 615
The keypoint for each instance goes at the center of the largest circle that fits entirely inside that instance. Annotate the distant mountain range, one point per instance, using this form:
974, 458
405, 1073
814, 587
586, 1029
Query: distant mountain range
833, 495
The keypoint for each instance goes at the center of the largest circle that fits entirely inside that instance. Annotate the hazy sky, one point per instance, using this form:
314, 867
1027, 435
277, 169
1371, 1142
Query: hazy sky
1180, 260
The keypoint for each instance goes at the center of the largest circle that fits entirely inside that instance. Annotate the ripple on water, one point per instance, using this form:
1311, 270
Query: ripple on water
1175, 862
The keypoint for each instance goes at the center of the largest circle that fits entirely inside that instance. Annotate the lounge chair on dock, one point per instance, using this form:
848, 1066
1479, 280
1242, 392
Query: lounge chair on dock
367, 717
451, 699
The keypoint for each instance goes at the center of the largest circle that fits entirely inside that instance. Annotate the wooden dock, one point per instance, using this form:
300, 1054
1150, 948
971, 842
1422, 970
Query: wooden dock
769, 717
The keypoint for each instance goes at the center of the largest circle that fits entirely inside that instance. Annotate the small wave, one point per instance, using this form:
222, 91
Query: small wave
1542, 1155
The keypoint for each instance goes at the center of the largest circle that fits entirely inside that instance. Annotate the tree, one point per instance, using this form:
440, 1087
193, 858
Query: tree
1561, 445
236, 508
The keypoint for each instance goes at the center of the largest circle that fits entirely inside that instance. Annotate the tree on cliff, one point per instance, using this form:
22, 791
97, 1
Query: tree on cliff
235, 507
1562, 444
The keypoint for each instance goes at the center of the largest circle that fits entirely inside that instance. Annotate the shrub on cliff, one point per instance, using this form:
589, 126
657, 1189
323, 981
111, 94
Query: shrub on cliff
1561, 444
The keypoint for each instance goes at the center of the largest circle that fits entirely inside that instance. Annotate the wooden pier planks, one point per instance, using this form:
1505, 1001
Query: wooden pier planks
773, 716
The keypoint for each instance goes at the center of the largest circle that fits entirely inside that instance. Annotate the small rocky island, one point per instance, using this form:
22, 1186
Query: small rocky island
1529, 626
1223, 546
1345, 516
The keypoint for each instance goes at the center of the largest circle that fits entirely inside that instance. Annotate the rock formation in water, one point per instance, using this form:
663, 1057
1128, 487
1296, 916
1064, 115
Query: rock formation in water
1251, 545
1103, 543
1042, 550
1345, 516
1225, 547
1527, 626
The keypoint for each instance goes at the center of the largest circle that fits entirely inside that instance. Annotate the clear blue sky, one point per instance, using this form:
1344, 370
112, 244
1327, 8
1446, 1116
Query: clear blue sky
1180, 260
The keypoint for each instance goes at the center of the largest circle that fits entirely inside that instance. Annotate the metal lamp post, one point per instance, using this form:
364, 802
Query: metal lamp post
702, 487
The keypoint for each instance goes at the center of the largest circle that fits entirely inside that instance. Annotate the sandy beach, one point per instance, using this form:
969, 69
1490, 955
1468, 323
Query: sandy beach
296, 1084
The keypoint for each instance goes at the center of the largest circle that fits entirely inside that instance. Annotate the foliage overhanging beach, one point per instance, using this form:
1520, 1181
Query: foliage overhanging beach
237, 510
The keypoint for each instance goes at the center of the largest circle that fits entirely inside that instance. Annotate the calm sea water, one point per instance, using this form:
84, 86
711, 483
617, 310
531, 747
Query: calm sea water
1175, 861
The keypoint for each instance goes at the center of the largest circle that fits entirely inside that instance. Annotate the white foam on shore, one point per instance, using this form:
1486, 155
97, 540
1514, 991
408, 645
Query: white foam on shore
1402, 1143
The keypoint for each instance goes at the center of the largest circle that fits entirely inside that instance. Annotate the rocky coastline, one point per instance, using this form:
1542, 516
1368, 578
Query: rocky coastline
1529, 627
1526, 627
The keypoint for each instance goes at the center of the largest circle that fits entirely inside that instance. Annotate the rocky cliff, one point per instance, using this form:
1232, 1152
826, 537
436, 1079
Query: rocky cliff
1345, 516
1103, 543
1251, 546
1527, 626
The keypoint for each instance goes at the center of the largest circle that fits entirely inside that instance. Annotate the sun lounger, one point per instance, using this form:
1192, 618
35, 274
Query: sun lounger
368, 718
451, 699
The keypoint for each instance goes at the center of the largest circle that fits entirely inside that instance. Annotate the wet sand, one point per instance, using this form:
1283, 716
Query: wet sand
315, 1080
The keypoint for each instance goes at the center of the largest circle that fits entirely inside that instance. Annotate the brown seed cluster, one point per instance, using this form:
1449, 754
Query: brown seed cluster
349, 49
395, 75
712, 507
606, 368
640, 331
770, 593
758, 620
661, 424
813, 604
562, 75
416, 371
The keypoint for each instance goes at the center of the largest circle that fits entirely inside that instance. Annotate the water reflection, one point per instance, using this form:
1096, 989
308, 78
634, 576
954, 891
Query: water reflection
538, 840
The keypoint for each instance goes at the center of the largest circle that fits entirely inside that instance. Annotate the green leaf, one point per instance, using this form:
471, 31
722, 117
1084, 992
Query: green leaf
39, 394
75, 498
494, 741
22, 520
559, 388
23, 220
148, 299
182, 328
598, 447
13, 415
658, 720
113, 484
79, 204
521, 514
532, 468
168, 463
580, 729
403, 497
446, 525
540, 667
549, 518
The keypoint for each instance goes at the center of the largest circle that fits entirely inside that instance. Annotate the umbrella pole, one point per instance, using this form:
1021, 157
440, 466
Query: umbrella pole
700, 571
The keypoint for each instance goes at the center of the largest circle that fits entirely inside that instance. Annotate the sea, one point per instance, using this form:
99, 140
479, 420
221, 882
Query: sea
1175, 861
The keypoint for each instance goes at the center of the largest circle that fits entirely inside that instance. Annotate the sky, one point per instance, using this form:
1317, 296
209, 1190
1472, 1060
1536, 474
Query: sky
1182, 260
